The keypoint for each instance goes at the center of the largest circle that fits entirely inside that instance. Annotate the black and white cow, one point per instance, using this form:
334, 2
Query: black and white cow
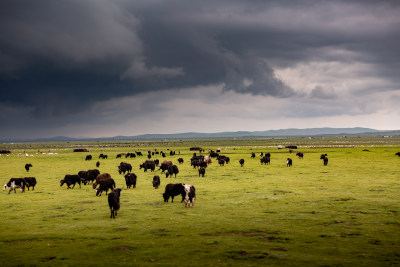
289, 162
113, 201
190, 195
27, 166
14, 183
172, 190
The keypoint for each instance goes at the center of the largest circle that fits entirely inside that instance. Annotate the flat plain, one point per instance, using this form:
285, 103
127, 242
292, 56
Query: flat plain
344, 214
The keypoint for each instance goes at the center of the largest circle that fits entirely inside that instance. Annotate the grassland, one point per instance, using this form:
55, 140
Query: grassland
343, 214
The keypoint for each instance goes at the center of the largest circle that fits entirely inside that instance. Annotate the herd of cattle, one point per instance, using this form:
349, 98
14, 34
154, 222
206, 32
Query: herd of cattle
104, 182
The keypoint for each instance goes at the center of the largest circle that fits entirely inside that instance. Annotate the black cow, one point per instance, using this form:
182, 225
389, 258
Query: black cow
265, 160
149, 156
139, 153
118, 156
325, 161
71, 179
397, 154
30, 181
113, 201
130, 180
27, 166
268, 155
98, 164
105, 184
221, 162
172, 190
101, 156
241, 162
202, 171
300, 155
156, 181
253, 155
172, 170
323, 156
88, 157
289, 162
91, 175
180, 160
14, 183
124, 167
148, 164
157, 162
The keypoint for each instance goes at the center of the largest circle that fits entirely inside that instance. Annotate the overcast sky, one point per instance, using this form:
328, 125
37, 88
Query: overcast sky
117, 67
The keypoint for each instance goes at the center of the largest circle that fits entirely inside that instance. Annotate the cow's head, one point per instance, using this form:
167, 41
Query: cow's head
166, 197
62, 182
5, 187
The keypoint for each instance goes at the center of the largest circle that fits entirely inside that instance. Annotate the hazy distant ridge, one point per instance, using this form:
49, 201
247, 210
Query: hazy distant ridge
188, 135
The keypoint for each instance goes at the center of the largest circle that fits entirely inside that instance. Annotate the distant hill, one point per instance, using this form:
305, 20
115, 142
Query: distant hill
193, 135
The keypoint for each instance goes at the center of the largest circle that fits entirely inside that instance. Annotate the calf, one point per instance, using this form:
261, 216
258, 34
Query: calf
202, 171
71, 179
30, 181
15, 183
289, 162
156, 181
105, 184
113, 201
27, 166
241, 162
130, 180
190, 195
172, 190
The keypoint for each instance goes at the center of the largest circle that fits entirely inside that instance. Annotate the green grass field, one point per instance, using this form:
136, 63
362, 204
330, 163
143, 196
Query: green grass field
343, 214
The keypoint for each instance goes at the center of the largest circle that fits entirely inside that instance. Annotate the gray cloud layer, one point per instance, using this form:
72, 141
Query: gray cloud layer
59, 58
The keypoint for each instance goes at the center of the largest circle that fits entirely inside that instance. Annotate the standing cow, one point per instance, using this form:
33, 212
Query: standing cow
156, 181
289, 162
241, 162
113, 201
27, 166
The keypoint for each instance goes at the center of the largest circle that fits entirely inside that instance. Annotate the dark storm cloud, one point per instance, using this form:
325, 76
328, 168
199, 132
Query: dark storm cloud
61, 57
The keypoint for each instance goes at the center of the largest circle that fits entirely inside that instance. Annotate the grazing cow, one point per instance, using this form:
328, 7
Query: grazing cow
172, 190
27, 166
105, 184
172, 170
268, 155
253, 155
218, 150
289, 162
124, 167
207, 159
180, 160
113, 201
291, 147
149, 156
30, 181
130, 180
261, 154
202, 171
148, 164
71, 179
99, 178
164, 165
300, 155
323, 156
97, 164
265, 160
157, 162
138, 153
118, 156
190, 195
101, 156
325, 161
14, 183
397, 154
221, 162
88, 157
156, 181
241, 161
91, 175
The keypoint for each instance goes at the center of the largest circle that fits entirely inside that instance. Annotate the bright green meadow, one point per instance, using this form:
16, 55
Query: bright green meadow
343, 214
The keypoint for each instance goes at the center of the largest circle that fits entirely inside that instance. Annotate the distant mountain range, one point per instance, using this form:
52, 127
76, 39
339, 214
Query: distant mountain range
241, 134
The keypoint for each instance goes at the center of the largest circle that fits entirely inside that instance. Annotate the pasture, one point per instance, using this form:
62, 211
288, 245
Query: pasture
344, 214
